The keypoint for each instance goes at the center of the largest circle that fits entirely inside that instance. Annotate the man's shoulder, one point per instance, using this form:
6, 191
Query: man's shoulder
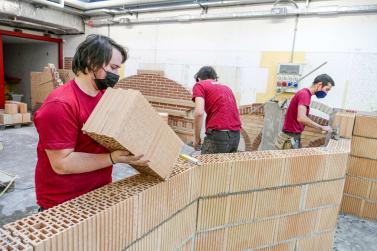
303, 93
64, 94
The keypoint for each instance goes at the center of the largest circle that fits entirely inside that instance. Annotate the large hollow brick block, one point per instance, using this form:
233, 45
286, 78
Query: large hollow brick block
306, 168
323, 242
365, 125
370, 210
179, 228
327, 218
357, 186
149, 242
296, 225
336, 165
212, 212
364, 147
213, 240
324, 193
241, 207
152, 207
352, 205
9, 242
124, 120
345, 121
258, 173
361, 167
215, 178
252, 235
277, 201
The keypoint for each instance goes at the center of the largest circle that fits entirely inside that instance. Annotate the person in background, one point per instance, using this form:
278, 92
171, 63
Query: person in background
70, 163
223, 122
297, 118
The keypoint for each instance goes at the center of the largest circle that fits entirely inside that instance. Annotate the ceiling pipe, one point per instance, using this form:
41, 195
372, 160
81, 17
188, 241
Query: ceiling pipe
113, 3
324, 10
30, 25
289, 1
52, 5
186, 6
59, 5
48, 17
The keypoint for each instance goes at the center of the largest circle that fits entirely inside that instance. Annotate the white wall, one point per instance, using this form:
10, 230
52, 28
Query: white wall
234, 47
21, 59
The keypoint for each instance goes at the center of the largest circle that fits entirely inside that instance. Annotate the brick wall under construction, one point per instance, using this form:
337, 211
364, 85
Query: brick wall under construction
360, 191
267, 200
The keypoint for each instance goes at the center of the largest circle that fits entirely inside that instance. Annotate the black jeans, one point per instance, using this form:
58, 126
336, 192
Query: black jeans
220, 142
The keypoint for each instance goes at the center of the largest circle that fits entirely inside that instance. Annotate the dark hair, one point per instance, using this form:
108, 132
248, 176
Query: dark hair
206, 72
325, 79
94, 52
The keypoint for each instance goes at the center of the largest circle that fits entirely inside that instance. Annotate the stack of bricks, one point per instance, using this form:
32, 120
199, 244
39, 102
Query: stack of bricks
252, 124
360, 193
269, 200
68, 63
153, 83
167, 96
15, 113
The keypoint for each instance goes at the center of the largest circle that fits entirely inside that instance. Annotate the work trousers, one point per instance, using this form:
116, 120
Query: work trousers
220, 141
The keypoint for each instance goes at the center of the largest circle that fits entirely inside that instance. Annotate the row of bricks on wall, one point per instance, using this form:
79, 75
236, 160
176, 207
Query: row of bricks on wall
256, 108
141, 202
360, 193
169, 106
158, 86
296, 229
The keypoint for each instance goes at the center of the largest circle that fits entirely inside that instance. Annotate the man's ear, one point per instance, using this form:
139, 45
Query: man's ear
319, 85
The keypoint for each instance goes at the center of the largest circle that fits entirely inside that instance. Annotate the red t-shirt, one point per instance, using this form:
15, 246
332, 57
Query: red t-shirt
220, 105
59, 122
302, 97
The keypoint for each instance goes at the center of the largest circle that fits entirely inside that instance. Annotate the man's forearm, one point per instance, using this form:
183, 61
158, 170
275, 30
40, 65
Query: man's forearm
198, 121
308, 122
78, 162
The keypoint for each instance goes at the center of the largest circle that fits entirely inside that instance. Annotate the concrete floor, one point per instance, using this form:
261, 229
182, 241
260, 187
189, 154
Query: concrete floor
19, 158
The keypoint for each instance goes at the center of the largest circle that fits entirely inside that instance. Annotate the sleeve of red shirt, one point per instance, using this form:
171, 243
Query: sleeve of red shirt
304, 99
197, 91
57, 126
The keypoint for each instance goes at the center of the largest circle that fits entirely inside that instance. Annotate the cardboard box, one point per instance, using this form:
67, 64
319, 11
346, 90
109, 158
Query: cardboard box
41, 84
125, 120
17, 118
11, 108
66, 75
26, 117
22, 107
6, 119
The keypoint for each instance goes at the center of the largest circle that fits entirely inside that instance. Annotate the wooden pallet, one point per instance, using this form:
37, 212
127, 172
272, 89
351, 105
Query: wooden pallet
18, 125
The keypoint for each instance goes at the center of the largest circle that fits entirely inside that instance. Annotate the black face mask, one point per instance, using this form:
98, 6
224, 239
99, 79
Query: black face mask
109, 81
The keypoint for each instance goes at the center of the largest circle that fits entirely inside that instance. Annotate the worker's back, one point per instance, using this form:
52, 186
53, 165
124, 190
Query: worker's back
220, 105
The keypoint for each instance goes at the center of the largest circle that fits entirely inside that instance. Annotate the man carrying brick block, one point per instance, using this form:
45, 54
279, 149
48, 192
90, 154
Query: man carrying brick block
71, 163
223, 122
297, 118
